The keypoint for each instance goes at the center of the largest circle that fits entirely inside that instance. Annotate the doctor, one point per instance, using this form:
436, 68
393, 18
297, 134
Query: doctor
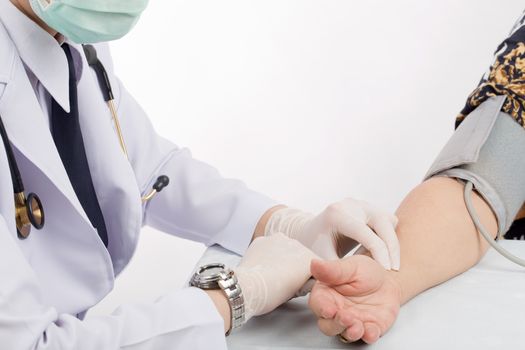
83, 184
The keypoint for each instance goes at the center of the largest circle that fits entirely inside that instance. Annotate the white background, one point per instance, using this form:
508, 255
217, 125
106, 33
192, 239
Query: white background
307, 101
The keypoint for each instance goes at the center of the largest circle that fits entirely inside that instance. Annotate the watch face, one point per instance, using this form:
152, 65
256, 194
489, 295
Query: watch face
208, 276
212, 271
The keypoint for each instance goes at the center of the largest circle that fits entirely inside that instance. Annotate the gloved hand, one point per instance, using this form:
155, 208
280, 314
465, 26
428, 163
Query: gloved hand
270, 273
331, 233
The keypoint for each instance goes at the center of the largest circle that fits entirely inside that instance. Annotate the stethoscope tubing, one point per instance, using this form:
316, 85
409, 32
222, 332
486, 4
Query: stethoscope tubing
107, 91
18, 185
25, 212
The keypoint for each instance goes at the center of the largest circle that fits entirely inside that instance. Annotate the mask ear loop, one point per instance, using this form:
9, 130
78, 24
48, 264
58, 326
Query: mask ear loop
488, 237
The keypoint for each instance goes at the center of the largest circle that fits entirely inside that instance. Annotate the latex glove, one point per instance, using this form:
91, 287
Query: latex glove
354, 297
332, 233
270, 273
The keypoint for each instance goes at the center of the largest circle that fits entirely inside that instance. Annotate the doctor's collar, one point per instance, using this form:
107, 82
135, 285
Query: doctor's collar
41, 53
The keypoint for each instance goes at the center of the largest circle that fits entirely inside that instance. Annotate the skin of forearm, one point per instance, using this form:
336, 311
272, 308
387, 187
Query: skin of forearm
261, 224
437, 236
223, 307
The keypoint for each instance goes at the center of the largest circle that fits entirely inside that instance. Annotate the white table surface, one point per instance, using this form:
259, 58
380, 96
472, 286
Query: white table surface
484, 308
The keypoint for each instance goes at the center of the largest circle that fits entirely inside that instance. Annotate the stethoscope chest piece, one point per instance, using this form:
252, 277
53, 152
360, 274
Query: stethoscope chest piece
29, 212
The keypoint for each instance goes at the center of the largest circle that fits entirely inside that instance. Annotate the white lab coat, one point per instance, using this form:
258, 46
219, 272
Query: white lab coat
48, 281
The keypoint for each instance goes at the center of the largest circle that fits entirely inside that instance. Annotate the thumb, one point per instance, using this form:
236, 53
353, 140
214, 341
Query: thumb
334, 272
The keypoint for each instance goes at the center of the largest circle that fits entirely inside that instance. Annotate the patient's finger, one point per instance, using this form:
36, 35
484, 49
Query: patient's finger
335, 272
322, 304
372, 333
352, 329
330, 327
346, 316
355, 332
371, 330
354, 326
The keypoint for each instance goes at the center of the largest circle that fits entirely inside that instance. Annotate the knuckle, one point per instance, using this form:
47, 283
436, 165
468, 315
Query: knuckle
333, 211
379, 217
334, 207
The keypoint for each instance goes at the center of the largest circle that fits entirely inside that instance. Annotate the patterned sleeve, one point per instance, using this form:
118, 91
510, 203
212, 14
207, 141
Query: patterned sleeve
506, 77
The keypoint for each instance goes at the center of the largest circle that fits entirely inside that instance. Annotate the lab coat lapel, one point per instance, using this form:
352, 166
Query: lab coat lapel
82, 262
113, 177
28, 132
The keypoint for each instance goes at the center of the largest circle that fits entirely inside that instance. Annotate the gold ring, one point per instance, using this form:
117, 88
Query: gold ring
343, 339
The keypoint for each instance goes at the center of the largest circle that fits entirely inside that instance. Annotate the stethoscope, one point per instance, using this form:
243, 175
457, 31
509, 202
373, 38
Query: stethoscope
29, 210
105, 85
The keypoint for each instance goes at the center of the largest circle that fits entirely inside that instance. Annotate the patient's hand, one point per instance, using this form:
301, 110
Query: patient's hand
355, 297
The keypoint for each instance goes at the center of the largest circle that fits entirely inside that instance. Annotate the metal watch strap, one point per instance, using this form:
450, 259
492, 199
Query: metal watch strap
230, 285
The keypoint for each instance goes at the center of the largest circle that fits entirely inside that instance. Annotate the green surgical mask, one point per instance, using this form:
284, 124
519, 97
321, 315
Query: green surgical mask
90, 21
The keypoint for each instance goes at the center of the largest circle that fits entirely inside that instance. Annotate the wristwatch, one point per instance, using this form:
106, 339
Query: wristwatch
217, 276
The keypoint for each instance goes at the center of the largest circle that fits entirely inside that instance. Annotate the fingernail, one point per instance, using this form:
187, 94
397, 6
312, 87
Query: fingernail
397, 263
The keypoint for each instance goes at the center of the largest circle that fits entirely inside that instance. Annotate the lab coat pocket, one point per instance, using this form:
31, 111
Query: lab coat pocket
468, 139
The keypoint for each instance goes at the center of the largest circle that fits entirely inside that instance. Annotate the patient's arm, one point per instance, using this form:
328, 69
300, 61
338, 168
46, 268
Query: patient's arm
438, 241
438, 238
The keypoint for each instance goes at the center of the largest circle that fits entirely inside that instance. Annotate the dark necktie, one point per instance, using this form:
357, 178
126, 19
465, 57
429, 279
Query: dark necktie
67, 135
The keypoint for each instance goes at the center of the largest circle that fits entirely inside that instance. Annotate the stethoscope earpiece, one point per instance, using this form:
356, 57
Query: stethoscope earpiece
162, 181
105, 85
